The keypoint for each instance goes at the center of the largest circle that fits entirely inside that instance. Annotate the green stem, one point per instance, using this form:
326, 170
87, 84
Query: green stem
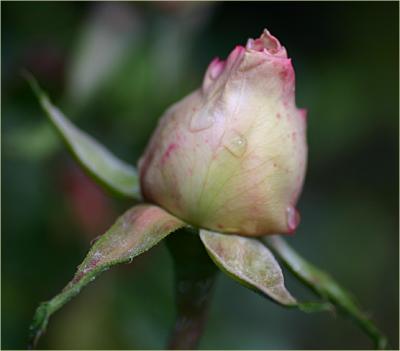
194, 280
325, 286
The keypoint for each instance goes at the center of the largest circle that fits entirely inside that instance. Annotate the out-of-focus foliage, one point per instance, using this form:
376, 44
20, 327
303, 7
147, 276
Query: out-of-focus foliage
115, 67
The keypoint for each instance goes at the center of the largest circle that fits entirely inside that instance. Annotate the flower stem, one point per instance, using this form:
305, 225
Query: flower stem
194, 281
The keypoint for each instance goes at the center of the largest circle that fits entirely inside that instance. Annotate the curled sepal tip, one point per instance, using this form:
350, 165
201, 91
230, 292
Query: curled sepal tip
136, 231
111, 172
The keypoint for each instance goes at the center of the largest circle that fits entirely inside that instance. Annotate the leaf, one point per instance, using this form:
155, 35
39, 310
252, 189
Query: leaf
325, 286
194, 274
136, 231
110, 171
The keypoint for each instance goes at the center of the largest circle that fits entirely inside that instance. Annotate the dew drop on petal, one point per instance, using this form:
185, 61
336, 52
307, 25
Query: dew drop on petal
293, 218
201, 121
236, 144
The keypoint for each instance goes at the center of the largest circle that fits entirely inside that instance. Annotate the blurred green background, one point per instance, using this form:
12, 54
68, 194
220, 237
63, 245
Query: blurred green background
114, 68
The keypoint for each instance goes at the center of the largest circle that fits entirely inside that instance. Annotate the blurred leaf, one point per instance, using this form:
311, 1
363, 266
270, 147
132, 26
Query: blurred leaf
136, 231
111, 172
177, 32
194, 280
325, 286
34, 142
110, 32
249, 262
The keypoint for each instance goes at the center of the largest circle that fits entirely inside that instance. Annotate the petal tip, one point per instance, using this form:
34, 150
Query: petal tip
267, 44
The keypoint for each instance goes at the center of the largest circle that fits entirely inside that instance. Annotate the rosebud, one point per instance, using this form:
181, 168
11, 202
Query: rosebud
231, 156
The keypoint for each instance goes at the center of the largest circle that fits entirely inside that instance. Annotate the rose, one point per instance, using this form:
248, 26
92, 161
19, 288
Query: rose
231, 156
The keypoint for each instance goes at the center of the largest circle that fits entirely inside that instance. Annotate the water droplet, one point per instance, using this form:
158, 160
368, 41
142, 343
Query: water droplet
201, 120
236, 144
293, 218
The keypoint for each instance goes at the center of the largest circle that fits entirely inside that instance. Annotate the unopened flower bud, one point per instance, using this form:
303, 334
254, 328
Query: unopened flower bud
231, 156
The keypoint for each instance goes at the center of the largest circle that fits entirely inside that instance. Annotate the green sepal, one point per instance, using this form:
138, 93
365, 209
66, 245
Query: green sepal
248, 261
112, 173
135, 232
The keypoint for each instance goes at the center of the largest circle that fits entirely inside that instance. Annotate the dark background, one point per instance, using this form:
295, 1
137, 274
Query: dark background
114, 68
